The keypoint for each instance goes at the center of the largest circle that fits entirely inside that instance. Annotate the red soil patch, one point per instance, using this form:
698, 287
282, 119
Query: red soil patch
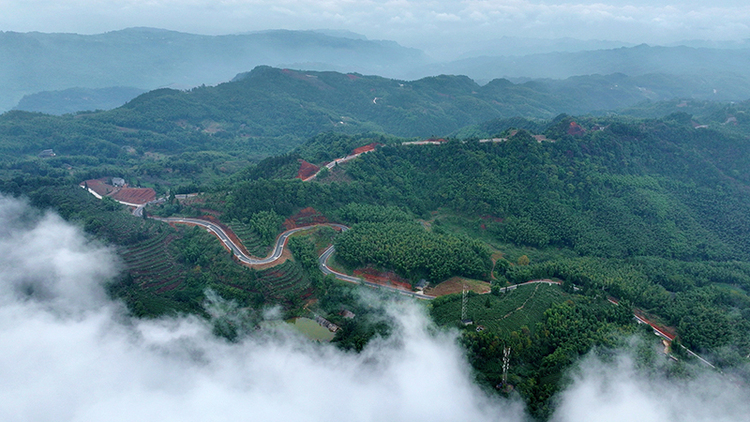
575, 129
135, 195
306, 217
670, 332
366, 148
306, 170
352, 77
383, 278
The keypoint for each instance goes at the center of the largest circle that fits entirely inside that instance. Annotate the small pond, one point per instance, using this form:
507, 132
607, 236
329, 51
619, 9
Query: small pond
311, 329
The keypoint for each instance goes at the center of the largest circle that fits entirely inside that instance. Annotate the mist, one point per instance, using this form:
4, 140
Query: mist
68, 353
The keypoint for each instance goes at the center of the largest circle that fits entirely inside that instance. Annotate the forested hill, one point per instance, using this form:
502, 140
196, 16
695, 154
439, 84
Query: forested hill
169, 133
272, 102
149, 58
613, 188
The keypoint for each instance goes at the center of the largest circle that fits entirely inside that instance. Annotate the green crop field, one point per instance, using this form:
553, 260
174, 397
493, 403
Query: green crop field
285, 281
249, 238
508, 312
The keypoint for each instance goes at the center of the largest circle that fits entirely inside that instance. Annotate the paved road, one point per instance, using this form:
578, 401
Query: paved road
323, 265
278, 248
515, 286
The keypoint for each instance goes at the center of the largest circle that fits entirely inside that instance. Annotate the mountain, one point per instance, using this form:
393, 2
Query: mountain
270, 111
77, 99
720, 68
520, 46
271, 102
149, 58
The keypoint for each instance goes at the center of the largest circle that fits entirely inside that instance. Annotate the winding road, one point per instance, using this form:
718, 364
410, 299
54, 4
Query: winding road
278, 249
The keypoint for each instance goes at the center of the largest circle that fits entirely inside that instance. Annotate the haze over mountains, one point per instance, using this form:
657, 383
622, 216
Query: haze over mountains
146, 58
149, 58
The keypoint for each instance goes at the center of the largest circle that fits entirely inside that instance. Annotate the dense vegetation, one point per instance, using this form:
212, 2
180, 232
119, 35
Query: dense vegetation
413, 252
545, 330
651, 212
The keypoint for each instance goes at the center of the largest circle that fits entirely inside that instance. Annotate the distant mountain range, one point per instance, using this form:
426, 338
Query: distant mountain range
147, 59
712, 64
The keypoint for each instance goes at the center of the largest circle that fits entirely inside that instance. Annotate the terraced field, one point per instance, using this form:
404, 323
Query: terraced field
249, 239
152, 265
523, 306
285, 281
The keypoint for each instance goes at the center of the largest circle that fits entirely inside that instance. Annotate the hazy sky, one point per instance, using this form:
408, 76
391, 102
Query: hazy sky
416, 23
67, 353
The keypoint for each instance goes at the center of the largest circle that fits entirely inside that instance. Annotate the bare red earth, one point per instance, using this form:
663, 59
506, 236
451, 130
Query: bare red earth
575, 129
306, 217
306, 170
366, 148
383, 278
124, 194
135, 195
670, 332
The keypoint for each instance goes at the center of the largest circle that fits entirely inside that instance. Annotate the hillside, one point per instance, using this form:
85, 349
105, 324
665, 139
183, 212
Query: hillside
172, 137
147, 58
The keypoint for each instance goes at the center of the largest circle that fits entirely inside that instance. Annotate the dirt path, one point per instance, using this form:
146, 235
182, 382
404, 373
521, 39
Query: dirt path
524, 303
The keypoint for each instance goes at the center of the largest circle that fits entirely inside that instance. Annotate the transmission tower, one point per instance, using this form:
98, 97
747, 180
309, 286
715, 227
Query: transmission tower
465, 300
506, 364
463, 303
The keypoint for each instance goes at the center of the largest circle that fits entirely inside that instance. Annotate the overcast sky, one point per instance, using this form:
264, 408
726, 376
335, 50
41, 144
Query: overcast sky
424, 24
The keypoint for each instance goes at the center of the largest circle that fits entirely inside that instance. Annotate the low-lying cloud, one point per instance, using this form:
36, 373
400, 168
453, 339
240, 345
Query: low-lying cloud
67, 353
615, 391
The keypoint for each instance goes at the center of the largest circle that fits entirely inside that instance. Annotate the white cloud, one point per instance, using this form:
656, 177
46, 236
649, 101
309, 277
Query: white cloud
617, 392
447, 17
